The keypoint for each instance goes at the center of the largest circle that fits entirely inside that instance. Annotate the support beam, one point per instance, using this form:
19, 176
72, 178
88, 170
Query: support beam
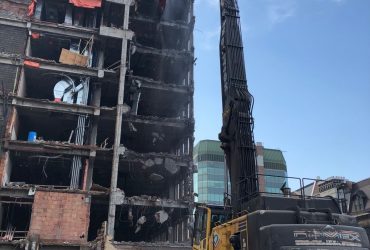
118, 126
115, 33
23, 192
58, 29
49, 148
46, 105
15, 193
67, 69
55, 67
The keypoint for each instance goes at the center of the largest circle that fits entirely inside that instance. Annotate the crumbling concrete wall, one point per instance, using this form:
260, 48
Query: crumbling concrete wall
58, 216
7, 77
14, 8
12, 41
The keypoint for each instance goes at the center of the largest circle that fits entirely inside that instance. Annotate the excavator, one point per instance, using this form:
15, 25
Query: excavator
252, 220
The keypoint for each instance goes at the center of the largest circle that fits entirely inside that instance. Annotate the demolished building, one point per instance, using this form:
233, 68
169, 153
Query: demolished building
96, 124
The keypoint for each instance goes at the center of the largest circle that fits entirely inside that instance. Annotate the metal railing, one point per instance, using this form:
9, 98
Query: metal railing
299, 193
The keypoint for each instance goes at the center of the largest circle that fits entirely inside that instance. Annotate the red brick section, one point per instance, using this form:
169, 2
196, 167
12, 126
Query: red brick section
60, 217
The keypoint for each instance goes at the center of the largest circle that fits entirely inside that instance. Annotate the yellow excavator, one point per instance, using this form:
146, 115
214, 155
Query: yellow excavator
251, 220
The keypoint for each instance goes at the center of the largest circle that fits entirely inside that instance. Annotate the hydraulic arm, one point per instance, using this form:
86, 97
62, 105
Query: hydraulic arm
237, 129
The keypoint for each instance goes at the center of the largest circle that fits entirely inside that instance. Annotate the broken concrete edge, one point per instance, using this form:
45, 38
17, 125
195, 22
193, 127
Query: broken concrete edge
110, 244
115, 33
59, 29
174, 24
129, 153
52, 243
176, 122
153, 84
50, 147
24, 191
47, 105
185, 55
151, 201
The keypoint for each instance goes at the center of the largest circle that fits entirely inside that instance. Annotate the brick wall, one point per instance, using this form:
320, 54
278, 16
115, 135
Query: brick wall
60, 217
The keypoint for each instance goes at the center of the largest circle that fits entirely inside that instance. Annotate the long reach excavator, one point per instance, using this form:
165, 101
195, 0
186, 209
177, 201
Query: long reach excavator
252, 220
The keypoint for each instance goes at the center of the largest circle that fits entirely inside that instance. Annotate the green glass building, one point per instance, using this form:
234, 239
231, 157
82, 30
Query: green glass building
273, 164
209, 182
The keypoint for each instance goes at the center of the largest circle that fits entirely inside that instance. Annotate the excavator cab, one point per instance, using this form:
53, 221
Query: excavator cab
207, 218
202, 227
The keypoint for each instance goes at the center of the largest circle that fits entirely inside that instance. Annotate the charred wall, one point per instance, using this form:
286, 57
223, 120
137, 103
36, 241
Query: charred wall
13, 39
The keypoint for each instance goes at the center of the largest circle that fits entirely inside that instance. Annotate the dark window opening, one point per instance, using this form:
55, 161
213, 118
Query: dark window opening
41, 169
53, 11
113, 15
112, 55
50, 47
50, 127
147, 138
152, 102
15, 219
50, 86
101, 175
109, 95
64, 13
136, 184
105, 137
167, 10
165, 68
149, 224
98, 214
151, 34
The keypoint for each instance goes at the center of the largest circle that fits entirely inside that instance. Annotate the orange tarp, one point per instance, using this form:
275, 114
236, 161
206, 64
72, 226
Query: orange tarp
32, 64
86, 3
35, 35
31, 7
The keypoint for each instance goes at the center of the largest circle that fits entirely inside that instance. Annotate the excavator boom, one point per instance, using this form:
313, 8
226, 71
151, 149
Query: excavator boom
237, 128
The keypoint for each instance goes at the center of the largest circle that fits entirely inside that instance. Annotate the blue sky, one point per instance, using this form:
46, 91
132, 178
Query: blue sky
308, 67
